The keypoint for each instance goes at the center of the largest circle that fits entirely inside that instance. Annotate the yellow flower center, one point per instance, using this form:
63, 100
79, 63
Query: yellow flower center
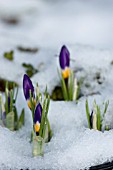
66, 72
37, 127
29, 103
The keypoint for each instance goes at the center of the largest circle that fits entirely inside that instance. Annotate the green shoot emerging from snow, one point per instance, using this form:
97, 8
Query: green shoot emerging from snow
95, 118
69, 84
8, 112
39, 107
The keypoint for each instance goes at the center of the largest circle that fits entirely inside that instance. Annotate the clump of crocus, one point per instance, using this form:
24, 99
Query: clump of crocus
41, 127
96, 117
8, 113
69, 83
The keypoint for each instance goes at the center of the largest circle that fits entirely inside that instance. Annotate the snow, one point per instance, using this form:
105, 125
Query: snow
86, 28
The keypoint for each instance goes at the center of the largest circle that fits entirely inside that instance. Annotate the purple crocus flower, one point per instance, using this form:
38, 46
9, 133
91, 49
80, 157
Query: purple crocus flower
64, 57
64, 60
27, 87
37, 118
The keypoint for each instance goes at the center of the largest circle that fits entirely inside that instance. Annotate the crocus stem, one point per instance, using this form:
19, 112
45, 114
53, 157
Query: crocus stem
70, 86
32, 105
45, 120
49, 130
16, 94
88, 114
42, 119
11, 100
98, 118
6, 98
64, 89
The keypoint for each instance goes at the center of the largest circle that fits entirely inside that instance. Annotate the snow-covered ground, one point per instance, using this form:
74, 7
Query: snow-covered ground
86, 27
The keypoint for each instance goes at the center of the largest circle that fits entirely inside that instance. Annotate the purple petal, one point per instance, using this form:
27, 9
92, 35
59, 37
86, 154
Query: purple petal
64, 57
8, 102
27, 86
38, 113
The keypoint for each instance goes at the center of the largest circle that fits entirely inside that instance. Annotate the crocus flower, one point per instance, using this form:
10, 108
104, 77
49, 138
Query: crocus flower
37, 118
64, 59
27, 87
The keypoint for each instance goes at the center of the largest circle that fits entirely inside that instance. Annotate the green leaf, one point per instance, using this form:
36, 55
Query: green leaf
70, 85
106, 106
32, 104
21, 119
45, 119
10, 121
11, 100
64, 89
15, 118
63, 85
9, 55
98, 118
50, 134
30, 70
88, 114
6, 98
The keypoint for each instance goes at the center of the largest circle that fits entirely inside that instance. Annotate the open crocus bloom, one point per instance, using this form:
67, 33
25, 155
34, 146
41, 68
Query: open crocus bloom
37, 118
64, 59
27, 87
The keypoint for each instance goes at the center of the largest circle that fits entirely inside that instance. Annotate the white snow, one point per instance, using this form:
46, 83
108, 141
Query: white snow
86, 28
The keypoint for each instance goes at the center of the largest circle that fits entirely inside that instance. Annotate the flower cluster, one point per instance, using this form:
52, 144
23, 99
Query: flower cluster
41, 126
8, 112
95, 119
70, 87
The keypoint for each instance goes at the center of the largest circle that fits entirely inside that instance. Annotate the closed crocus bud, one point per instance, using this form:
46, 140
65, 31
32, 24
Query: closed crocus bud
27, 87
64, 59
37, 118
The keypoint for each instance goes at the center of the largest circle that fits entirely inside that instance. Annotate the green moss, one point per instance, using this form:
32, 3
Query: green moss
30, 70
57, 94
30, 50
9, 55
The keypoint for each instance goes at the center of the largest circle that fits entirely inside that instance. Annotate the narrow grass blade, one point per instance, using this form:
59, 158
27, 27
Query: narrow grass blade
21, 120
6, 98
10, 121
15, 118
88, 114
106, 106
98, 118
70, 85
11, 101
64, 89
